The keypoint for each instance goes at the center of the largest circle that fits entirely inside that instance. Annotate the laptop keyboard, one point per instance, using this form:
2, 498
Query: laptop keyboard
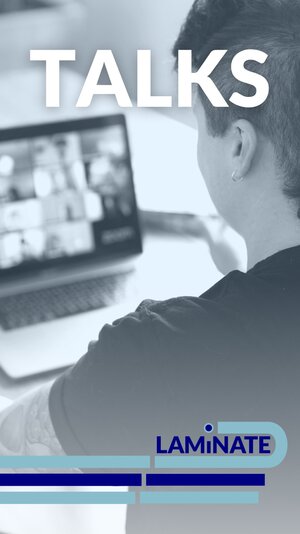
43, 305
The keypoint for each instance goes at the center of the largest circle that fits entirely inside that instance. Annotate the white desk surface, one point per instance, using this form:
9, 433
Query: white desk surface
4, 403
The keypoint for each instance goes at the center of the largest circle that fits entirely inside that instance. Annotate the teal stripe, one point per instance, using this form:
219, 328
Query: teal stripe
209, 462
199, 497
75, 462
67, 497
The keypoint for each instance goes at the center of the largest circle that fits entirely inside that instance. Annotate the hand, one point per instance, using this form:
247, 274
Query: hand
227, 248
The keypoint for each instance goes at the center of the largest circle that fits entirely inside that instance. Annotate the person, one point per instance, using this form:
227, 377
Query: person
231, 354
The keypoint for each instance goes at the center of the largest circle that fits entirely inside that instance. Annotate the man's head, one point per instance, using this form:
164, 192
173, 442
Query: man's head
246, 153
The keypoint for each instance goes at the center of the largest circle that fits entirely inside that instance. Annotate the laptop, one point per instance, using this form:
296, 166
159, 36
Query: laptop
69, 235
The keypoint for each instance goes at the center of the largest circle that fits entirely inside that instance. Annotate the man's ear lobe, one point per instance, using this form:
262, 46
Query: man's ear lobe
245, 146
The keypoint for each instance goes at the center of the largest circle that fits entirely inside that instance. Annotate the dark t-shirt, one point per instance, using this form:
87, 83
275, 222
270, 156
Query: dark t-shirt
170, 367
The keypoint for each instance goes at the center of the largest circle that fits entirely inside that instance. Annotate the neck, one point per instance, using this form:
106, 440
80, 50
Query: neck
272, 232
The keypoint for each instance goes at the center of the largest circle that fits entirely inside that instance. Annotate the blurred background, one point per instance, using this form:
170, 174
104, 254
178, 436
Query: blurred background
87, 25
167, 177
163, 142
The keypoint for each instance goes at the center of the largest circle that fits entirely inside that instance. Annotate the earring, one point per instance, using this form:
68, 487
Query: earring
236, 179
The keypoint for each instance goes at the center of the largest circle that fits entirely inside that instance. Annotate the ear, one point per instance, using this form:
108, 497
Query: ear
245, 144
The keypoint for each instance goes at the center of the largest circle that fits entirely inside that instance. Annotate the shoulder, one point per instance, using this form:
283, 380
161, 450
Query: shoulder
179, 321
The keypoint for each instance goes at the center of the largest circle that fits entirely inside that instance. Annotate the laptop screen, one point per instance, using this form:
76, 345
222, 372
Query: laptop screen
66, 194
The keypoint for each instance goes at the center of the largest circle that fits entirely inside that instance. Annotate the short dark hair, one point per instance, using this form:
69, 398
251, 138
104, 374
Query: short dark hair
272, 26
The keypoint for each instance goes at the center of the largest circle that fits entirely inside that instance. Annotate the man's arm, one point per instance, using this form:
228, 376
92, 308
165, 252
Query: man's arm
26, 427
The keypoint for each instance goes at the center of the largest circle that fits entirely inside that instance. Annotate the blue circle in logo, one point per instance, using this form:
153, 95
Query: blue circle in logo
209, 428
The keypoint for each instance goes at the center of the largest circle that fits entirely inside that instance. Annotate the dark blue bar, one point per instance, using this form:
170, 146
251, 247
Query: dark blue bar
205, 480
72, 479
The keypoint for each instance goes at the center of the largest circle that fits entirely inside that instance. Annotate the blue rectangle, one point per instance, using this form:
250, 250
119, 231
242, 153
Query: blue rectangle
75, 462
210, 462
189, 497
80, 479
28, 497
205, 480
